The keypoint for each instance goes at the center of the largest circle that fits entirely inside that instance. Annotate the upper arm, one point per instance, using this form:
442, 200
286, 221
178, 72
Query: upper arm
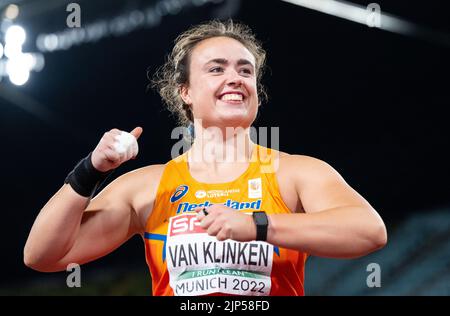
320, 187
114, 215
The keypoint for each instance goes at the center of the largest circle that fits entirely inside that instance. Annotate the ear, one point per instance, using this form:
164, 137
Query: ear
184, 93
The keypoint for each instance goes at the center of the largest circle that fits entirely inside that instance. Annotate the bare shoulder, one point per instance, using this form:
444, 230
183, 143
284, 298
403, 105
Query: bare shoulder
137, 180
301, 170
293, 164
308, 184
144, 182
143, 174
293, 172
135, 190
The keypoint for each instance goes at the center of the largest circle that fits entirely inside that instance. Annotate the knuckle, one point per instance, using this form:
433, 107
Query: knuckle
102, 146
223, 236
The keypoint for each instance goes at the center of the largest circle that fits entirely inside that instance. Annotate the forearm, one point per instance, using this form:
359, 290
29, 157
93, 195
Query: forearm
343, 232
54, 230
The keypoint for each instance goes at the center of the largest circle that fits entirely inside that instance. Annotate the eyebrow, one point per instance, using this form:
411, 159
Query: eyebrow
223, 61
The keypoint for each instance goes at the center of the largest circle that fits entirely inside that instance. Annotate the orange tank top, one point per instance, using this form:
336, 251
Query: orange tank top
184, 260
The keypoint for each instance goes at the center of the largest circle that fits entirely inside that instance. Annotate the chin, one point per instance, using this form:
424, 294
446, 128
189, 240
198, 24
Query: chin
236, 120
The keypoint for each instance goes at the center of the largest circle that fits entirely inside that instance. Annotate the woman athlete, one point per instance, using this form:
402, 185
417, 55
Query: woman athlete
228, 216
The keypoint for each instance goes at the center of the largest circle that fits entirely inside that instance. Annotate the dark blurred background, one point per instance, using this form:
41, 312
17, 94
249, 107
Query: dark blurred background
370, 102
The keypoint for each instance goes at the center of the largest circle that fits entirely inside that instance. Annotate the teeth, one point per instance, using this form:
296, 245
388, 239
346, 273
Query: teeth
232, 97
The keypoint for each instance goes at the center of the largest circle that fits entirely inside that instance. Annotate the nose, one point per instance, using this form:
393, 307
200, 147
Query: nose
234, 79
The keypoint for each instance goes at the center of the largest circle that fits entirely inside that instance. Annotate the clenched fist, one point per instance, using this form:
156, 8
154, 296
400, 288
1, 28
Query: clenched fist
115, 148
226, 223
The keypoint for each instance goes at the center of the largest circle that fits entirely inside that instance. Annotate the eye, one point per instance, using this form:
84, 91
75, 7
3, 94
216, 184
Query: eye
246, 71
216, 69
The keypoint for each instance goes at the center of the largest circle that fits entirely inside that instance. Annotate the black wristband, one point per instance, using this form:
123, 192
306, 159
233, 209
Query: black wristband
84, 178
262, 224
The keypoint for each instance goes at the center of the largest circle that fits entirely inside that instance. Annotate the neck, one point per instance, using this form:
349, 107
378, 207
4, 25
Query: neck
215, 145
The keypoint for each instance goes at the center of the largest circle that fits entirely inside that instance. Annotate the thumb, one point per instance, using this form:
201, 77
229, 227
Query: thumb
137, 132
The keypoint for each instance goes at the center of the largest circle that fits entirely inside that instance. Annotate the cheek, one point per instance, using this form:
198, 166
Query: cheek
205, 87
252, 87
253, 90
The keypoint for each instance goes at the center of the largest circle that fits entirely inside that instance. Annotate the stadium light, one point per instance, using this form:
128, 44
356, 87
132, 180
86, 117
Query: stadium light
12, 11
15, 35
18, 69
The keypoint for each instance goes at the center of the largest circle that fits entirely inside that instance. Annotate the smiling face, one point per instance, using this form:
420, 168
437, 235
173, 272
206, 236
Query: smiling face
222, 88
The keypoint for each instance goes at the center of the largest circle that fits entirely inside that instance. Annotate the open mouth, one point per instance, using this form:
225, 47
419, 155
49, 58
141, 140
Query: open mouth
234, 97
